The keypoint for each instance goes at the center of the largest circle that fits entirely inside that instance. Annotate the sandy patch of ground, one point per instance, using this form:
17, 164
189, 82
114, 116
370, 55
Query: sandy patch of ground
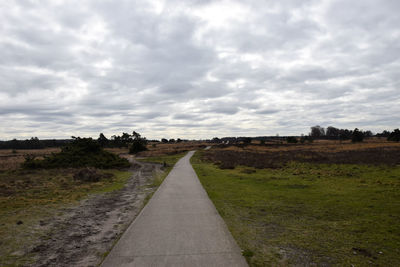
83, 234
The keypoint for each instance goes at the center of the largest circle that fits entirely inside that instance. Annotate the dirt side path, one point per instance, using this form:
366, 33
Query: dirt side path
85, 233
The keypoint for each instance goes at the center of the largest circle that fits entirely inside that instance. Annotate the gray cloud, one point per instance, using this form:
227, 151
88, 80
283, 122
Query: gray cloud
197, 69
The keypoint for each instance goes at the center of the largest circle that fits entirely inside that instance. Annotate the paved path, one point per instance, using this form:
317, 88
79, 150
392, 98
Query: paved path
178, 227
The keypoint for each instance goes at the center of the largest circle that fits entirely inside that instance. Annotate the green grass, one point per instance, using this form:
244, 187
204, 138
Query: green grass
33, 195
170, 161
309, 213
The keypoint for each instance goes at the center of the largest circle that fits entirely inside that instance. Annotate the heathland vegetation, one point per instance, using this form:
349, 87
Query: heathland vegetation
45, 181
42, 190
81, 152
324, 203
330, 197
137, 143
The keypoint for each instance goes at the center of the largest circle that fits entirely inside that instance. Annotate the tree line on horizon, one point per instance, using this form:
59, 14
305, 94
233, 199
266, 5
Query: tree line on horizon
135, 142
356, 135
317, 133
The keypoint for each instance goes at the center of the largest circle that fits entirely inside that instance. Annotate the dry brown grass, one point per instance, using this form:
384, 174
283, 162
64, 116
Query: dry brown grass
373, 151
117, 151
316, 146
160, 149
12, 159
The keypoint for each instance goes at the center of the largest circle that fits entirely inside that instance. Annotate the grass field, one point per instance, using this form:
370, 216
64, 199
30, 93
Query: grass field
309, 214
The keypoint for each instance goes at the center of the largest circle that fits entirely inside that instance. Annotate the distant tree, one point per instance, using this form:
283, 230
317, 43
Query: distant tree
138, 143
135, 135
178, 140
102, 140
127, 138
33, 143
357, 136
317, 131
172, 140
164, 140
368, 134
216, 140
345, 134
394, 136
385, 133
117, 141
332, 132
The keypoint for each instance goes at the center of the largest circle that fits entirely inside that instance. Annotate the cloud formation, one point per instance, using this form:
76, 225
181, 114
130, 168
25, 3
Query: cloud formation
197, 69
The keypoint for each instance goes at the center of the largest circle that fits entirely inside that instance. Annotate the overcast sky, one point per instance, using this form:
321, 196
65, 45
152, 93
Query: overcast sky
197, 69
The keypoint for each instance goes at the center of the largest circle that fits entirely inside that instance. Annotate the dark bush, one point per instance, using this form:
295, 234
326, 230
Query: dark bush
394, 136
227, 165
291, 139
82, 152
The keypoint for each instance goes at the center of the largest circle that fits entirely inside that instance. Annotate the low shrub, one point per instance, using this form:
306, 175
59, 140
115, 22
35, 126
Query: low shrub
227, 159
291, 139
226, 165
82, 152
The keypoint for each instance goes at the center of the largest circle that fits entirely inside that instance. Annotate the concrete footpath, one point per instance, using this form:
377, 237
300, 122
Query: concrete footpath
178, 227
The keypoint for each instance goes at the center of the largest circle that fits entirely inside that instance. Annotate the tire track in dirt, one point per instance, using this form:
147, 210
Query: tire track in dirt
84, 233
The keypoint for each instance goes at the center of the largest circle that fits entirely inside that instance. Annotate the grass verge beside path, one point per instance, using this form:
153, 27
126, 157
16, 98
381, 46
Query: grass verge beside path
169, 161
305, 213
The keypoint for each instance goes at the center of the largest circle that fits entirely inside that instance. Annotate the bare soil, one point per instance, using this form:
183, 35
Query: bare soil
84, 234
